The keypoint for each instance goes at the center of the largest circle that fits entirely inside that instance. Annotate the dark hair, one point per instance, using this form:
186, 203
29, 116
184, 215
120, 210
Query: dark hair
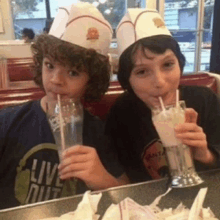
95, 65
157, 44
28, 33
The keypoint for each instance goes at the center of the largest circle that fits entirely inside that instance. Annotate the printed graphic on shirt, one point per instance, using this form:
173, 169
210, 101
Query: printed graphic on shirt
37, 177
154, 160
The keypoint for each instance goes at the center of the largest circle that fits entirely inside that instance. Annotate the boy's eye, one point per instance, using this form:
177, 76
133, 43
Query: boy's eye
73, 73
169, 64
49, 65
141, 72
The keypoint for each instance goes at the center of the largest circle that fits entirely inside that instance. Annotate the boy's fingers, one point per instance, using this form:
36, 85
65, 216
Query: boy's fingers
187, 127
73, 167
73, 159
191, 115
191, 136
76, 174
193, 143
77, 149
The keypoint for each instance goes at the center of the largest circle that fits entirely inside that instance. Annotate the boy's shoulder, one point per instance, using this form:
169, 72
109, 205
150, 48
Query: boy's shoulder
16, 112
92, 120
126, 105
123, 102
196, 92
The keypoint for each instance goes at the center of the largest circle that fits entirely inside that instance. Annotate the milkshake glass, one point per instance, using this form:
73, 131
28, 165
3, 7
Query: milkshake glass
66, 121
178, 155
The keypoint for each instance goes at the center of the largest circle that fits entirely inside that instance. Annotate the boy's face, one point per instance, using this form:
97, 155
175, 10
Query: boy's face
154, 76
63, 80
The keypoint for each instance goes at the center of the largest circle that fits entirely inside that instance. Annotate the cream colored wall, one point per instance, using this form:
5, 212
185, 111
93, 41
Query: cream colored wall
13, 49
5, 8
151, 4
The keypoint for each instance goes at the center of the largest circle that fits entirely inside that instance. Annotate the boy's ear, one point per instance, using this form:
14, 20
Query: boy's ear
109, 57
110, 62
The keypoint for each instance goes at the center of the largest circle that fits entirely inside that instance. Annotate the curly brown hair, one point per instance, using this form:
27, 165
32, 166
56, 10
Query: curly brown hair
95, 65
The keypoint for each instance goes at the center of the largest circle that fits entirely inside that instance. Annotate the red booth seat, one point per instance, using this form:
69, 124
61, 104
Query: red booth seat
201, 79
19, 69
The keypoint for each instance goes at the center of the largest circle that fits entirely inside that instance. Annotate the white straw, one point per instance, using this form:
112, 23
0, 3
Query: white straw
61, 124
177, 98
161, 103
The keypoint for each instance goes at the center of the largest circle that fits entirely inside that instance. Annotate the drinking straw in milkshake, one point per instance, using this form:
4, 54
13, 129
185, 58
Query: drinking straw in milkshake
61, 124
177, 98
161, 103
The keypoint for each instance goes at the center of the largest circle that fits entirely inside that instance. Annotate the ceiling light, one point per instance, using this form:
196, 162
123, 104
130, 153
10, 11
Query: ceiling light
107, 11
96, 4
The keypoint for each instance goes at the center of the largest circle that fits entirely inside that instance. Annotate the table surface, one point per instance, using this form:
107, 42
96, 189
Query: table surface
143, 193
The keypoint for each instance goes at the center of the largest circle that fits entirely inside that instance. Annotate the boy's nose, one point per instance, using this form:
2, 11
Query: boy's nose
158, 79
57, 78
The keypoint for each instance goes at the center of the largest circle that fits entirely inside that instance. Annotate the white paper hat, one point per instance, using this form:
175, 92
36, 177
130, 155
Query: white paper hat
84, 25
139, 23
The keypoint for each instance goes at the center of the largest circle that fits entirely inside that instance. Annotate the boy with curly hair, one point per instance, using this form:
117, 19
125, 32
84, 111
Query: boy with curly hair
30, 170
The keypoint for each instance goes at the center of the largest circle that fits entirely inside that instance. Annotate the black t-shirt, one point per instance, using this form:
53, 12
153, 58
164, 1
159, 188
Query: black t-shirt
131, 131
29, 157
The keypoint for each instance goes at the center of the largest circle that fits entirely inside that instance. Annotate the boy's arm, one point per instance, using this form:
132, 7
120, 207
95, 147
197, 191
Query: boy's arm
84, 163
110, 181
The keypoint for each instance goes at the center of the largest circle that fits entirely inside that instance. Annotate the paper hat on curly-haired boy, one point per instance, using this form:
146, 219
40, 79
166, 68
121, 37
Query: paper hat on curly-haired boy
84, 25
137, 24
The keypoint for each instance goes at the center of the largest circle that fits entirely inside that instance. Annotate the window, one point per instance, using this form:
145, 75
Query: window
35, 14
28, 14
183, 19
207, 36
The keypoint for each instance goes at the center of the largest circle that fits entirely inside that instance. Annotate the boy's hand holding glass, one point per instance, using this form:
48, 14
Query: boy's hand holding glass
193, 135
83, 162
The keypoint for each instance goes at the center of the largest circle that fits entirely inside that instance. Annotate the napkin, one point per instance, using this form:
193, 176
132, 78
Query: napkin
128, 209
86, 209
196, 209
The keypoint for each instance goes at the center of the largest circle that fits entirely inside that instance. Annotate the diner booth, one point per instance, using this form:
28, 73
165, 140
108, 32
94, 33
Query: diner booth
17, 87
16, 59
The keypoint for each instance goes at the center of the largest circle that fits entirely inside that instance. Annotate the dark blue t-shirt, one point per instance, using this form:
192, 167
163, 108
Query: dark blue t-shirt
131, 132
29, 157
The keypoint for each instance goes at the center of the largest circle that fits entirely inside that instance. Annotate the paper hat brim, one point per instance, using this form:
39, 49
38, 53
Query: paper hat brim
138, 24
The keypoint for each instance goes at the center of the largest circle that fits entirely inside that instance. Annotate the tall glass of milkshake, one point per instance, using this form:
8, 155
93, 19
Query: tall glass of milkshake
179, 158
65, 117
